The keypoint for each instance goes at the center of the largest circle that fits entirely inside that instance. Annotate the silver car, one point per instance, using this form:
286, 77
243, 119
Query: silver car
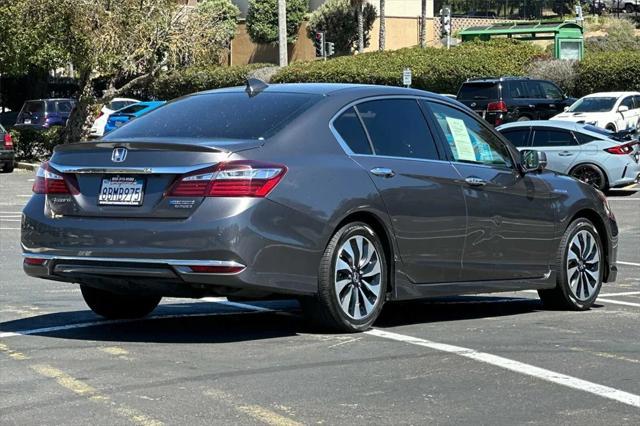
588, 153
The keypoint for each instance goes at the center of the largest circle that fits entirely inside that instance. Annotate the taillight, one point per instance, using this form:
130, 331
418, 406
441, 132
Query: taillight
100, 115
499, 106
627, 148
204, 269
48, 181
232, 179
8, 142
34, 261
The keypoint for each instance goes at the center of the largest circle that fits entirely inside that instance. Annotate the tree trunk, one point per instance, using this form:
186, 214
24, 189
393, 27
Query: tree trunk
423, 25
80, 119
360, 29
383, 29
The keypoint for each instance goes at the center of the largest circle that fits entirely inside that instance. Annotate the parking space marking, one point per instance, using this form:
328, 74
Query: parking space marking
618, 302
83, 389
19, 356
517, 367
9, 229
624, 293
622, 199
607, 355
257, 412
628, 263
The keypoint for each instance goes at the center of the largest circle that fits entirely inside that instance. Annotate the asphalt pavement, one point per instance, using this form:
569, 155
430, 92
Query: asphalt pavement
487, 359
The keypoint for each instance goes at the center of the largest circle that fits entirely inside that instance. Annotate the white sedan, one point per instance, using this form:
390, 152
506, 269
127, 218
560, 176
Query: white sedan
615, 111
97, 129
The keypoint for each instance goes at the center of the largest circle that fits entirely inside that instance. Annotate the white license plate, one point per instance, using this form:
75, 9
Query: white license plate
121, 191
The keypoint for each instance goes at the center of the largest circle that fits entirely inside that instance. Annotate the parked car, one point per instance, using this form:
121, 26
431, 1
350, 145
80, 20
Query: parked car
97, 129
615, 111
126, 114
507, 99
588, 153
7, 154
345, 196
45, 113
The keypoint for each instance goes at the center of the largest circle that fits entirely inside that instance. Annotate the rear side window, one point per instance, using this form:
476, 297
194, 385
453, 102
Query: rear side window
479, 91
350, 129
534, 90
583, 138
33, 107
542, 137
228, 115
517, 90
64, 106
397, 128
519, 138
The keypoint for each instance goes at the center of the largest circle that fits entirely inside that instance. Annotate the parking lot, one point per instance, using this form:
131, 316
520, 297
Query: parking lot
488, 359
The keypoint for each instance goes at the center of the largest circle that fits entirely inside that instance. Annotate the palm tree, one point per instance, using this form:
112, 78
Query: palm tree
423, 24
358, 5
383, 29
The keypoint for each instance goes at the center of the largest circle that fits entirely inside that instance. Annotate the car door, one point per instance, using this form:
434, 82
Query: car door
420, 191
552, 102
519, 101
560, 145
511, 228
627, 119
535, 100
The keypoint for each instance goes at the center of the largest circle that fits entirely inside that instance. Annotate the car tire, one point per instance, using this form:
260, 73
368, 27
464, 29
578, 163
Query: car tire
8, 168
523, 118
611, 127
591, 175
352, 281
580, 269
118, 306
629, 8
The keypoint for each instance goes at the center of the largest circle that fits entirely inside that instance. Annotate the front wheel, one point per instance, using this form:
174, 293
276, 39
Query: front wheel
580, 269
352, 281
118, 306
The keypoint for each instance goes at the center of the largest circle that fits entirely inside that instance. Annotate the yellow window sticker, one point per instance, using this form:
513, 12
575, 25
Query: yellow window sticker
461, 139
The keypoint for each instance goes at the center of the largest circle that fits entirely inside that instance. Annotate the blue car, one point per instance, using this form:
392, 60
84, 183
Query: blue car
126, 114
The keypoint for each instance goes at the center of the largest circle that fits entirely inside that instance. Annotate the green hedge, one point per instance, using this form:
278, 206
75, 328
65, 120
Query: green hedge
35, 145
435, 69
184, 81
609, 71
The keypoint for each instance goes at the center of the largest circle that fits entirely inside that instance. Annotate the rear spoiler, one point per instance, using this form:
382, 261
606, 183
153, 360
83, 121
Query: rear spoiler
165, 144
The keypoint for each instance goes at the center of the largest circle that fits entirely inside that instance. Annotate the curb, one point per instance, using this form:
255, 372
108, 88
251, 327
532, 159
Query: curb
27, 166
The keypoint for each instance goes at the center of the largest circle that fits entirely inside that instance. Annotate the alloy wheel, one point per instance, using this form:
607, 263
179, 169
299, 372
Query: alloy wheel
357, 277
583, 265
588, 175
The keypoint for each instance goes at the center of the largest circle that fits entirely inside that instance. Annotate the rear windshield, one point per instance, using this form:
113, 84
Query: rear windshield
133, 109
33, 107
593, 105
219, 116
478, 91
116, 105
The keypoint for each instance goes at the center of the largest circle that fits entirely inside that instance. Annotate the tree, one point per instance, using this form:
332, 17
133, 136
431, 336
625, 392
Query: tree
423, 24
337, 19
383, 30
262, 19
358, 5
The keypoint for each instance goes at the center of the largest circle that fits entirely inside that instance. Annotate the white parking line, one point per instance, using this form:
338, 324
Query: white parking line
624, 293
518, 367
627, 263
618, 302
622, 199
9, 229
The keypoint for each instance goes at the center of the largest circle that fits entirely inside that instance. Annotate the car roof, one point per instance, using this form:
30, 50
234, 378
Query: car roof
557, 124
611, 94
50, 99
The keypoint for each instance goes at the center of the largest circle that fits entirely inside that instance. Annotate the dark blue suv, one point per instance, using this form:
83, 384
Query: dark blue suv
45, 113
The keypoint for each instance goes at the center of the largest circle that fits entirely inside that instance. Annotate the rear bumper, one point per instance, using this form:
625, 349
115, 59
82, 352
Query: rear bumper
267, 239
7, 157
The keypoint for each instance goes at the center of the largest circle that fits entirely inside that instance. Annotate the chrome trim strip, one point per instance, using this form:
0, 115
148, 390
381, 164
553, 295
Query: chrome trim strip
170, 262
169, 170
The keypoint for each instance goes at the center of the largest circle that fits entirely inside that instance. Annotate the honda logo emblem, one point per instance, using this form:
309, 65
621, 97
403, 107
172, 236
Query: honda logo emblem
118, 155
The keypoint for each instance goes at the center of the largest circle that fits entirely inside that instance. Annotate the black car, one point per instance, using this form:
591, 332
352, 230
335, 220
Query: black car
45, 113
7, 155
507, 99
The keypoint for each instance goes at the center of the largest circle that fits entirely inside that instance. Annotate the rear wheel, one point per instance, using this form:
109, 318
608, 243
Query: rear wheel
524, 118
610, 127
580, 269
629, 8
591, 175
118, 306
8, 168
352, 281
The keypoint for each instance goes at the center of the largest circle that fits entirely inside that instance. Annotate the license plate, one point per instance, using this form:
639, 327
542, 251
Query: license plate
27, 121
121, 191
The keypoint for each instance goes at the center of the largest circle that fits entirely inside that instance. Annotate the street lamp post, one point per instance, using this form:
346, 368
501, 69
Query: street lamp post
282, 33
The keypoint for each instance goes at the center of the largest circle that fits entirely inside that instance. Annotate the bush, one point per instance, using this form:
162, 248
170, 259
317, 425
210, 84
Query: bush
620, 36
563, 73
184, 81
262, 19
35, 145
338, 20
609, 71
438, 70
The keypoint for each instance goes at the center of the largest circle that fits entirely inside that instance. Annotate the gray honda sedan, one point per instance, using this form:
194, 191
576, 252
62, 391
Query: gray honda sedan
344, 196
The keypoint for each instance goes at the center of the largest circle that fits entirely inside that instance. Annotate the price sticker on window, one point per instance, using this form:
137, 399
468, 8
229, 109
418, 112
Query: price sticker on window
461, 139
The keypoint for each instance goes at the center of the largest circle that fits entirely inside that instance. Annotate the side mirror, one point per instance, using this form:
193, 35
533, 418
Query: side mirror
623, 108
566, 109
532, 160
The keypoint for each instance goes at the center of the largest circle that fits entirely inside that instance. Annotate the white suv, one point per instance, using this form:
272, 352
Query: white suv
615, 111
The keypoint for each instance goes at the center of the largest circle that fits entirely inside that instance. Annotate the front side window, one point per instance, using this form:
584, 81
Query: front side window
535, 90
628, 102
519, 138
64, 106
397, 128
350, 129
517, 90
551, 91
470, 141
548, 138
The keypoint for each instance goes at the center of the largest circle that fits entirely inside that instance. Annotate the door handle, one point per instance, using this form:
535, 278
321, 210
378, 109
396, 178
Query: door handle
383, 172
475, 181
532, 106
565, 154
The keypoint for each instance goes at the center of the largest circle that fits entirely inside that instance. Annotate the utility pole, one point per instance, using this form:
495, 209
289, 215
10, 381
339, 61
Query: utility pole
282, 32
